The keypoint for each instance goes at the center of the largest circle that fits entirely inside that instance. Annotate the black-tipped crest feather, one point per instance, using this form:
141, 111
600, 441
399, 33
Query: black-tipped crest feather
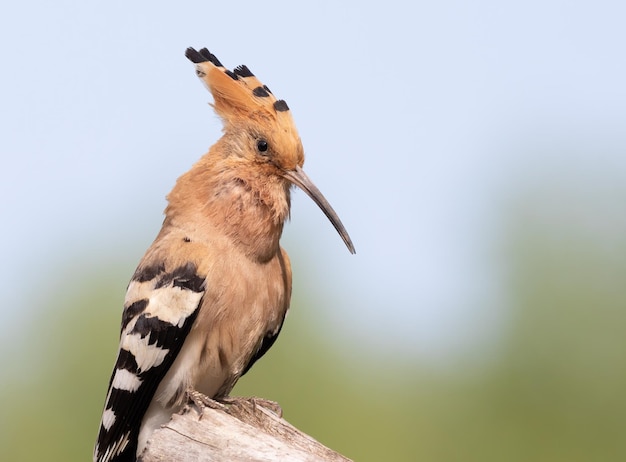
193, 56
243, 71
281, 105
211, 57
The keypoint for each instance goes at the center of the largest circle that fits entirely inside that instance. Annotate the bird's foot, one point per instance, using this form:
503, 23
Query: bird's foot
254, 401
202, 401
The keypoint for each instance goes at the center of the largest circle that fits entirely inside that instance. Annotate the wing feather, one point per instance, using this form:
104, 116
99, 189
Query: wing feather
161, 306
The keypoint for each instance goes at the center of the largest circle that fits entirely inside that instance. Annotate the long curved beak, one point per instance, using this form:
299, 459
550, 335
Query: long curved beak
300, 179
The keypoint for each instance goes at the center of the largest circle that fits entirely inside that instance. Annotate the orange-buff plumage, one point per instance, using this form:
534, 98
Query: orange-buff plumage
210, 295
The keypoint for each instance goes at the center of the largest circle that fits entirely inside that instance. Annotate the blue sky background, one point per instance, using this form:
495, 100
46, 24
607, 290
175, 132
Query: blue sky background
423, 123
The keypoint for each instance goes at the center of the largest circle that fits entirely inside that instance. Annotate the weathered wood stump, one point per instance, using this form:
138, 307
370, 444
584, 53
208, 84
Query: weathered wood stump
241, 431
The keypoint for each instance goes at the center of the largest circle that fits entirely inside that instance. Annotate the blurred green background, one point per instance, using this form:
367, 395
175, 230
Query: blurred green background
552, 389
475, 151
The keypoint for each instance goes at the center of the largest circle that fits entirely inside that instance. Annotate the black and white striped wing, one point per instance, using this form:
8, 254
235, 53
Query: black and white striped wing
160, 308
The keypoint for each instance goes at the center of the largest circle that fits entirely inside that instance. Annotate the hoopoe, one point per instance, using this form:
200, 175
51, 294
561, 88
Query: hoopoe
209, 297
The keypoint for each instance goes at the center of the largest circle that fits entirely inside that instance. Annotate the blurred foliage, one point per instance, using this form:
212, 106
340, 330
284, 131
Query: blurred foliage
554, 392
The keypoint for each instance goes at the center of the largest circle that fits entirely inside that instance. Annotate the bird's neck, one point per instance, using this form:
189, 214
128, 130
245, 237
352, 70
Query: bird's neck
246, 205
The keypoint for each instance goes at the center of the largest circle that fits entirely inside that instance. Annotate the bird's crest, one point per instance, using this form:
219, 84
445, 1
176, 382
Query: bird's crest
238, 94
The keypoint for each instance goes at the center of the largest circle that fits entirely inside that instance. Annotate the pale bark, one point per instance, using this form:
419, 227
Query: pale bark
244, 431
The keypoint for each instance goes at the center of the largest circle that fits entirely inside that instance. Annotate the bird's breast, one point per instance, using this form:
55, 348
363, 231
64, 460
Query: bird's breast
244, 301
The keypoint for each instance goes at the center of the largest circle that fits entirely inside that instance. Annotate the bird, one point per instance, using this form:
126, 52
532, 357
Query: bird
210, 295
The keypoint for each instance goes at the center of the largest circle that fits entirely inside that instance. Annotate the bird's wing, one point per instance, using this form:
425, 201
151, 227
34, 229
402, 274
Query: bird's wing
266, 344
162, 302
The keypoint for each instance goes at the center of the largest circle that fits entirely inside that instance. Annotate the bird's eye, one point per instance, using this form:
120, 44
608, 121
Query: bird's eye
261, 145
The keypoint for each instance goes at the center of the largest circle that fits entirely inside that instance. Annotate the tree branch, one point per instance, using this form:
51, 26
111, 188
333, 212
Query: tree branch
242, 431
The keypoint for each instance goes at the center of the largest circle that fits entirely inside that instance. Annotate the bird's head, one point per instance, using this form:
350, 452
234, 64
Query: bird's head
262, 126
